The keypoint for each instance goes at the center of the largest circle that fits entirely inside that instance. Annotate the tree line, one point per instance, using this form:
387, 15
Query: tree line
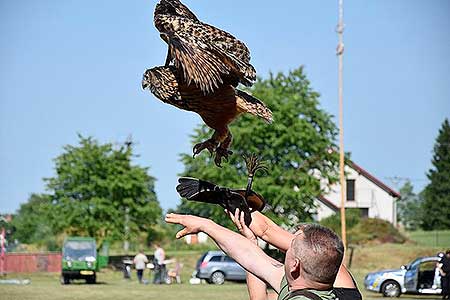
430, 208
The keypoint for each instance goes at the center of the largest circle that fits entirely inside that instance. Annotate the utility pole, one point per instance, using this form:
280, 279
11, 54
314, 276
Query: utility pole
340, 54
126, 243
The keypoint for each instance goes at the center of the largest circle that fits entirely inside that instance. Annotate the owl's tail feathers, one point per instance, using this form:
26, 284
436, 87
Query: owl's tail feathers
254, 106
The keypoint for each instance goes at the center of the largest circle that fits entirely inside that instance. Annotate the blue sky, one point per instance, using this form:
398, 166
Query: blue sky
71, 67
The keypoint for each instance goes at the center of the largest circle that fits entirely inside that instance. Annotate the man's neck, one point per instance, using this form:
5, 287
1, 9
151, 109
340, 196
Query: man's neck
304, 283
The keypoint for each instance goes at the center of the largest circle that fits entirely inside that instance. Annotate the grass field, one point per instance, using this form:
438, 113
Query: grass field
112, 286
437, 238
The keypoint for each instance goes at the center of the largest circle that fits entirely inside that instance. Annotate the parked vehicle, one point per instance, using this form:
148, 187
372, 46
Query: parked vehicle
418, 277
80, 260
216, 267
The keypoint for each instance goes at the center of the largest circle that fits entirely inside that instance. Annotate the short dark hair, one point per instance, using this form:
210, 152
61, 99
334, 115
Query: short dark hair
320, 252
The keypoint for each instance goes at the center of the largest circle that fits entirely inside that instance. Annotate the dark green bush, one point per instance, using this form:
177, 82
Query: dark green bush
374, 230
352, 218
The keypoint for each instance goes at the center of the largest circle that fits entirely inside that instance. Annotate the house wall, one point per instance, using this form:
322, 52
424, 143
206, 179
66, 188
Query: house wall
367, 195
199, 238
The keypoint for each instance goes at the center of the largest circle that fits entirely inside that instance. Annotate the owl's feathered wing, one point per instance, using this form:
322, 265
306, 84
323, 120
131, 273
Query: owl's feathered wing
206, 55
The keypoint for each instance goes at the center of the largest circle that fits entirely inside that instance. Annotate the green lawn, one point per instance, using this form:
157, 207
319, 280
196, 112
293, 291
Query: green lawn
437, 238
112, 286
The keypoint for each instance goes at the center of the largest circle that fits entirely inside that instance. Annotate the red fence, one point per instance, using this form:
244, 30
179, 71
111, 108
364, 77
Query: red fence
32, 262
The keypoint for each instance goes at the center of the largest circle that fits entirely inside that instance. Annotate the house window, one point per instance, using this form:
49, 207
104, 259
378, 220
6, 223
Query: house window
350, 190
364, 212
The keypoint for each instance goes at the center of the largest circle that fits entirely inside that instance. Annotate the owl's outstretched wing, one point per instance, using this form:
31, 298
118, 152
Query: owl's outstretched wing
206, 55
198, 64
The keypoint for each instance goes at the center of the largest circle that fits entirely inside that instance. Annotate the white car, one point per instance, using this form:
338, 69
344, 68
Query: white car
418, 277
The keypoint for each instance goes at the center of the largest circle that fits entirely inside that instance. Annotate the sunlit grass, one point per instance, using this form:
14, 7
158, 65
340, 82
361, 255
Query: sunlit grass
112, 286
437, 238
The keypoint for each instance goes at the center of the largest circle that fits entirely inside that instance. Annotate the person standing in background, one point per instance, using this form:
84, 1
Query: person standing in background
445, 275
140, 261
160, 267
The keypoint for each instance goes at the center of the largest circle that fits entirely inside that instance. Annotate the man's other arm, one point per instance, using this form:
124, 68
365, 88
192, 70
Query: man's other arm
257, 289
243, 251
273, 234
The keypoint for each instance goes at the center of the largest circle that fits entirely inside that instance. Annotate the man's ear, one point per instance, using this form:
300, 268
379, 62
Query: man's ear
295, 268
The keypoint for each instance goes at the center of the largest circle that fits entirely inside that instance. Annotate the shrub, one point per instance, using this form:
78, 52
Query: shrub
352, 218
374, 230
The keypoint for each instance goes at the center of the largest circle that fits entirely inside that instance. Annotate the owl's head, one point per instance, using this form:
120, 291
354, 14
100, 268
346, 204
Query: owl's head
162, 82
174, 8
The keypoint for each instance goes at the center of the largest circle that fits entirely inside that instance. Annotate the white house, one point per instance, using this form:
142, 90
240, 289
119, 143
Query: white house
363, 191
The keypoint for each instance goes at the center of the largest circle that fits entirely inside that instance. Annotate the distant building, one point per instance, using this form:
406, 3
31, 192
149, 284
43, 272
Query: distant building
370, 195
6, 217
199, 238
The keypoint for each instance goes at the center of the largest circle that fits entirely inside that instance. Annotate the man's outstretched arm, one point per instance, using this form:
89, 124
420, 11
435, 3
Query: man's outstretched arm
273, 234
243, 251
257, 289
266, 229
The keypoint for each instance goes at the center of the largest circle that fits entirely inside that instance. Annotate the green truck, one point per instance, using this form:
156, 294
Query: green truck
80, 260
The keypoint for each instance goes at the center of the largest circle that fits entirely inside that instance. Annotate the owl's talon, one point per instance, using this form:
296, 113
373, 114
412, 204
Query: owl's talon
221, 153
209, 145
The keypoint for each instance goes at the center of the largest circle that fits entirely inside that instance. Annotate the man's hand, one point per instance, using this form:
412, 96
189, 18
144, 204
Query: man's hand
192, 224
238, 220
257, 289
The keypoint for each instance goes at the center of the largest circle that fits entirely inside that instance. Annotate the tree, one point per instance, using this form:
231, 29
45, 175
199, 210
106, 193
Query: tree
409, 210
436, 212
296, 148
31, 222
98, 192
6, 224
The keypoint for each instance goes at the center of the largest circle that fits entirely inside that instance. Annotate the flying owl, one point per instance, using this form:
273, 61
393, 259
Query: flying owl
217, 109
207, 56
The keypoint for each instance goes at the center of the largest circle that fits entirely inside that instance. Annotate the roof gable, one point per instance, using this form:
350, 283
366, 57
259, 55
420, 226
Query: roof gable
373, 179
328, 203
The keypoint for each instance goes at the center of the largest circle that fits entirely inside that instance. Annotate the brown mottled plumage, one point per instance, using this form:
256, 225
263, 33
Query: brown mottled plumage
206, 55
217, 109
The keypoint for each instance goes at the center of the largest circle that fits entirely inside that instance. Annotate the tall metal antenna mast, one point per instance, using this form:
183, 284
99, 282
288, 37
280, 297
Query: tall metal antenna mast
340, 54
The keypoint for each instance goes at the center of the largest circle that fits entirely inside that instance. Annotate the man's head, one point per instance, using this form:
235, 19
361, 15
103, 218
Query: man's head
447, 253
315, 255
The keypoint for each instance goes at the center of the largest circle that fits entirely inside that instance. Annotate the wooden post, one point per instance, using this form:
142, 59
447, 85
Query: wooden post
340, 54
